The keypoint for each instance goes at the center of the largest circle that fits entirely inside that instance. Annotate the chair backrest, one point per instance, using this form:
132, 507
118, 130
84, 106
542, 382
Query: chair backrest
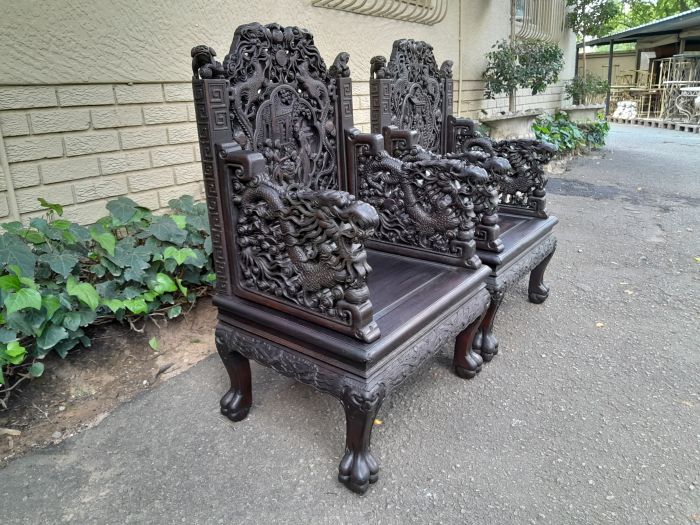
411, 92
269, 121
284, 103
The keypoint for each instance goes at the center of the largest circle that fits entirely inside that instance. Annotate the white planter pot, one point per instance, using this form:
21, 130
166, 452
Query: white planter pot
583, 113
512, 125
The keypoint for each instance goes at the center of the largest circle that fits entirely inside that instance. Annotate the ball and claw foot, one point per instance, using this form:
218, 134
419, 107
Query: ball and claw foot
474, 363
233, 406
357, 470
488, 345
539, 293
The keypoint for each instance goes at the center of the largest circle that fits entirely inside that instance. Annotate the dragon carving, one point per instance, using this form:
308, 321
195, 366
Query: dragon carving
301, 245
526, 159
424, 203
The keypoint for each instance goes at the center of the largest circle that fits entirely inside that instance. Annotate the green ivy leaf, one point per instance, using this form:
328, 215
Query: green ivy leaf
165, 229
14, 251
163, 284
83, 291
10, 282
51, 303
61, 263
113, 304
24, 298
7, 336
174, 311
136, 306
104, 239
56, 208
179, 254
13, 353
36, 369
153, 343
180, 220
122, 209
51, 336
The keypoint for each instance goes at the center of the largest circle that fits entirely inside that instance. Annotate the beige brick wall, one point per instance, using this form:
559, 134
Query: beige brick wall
138, 140
83, 145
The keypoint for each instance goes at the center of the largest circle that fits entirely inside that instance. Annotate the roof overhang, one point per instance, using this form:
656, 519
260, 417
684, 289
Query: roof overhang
684, 25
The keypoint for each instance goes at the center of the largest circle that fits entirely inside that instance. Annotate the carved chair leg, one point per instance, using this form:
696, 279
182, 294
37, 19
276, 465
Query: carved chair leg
466, 361
358, 468
235, 404
537, 290
485, 342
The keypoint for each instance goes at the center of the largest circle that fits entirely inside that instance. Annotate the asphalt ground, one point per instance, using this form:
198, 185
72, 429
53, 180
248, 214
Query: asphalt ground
589, 414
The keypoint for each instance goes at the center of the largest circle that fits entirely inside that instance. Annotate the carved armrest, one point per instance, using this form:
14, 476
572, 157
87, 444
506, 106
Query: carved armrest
425, 204
517, 166
300, 246
473, 177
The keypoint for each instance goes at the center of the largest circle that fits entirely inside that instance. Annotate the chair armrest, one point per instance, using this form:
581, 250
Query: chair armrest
517, 166
425, 204
300, 247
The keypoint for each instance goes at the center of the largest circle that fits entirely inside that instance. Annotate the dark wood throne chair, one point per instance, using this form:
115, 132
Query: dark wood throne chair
411, 105
297, 288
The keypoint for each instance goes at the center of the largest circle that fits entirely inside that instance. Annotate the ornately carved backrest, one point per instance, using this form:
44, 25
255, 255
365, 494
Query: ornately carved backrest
283, 103
412, 93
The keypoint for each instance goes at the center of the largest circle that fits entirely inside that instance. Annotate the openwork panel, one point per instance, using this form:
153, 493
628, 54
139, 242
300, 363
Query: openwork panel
417, 95
283, 103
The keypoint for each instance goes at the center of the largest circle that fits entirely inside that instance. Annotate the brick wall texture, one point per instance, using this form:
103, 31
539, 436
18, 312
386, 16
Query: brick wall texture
83, 145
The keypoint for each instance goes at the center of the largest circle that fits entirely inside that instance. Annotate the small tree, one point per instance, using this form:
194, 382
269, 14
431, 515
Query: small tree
514, 64
583, 89
591, 18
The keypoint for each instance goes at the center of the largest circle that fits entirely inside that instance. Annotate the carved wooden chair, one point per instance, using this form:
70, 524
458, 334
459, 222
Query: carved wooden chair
411, 105
296, 288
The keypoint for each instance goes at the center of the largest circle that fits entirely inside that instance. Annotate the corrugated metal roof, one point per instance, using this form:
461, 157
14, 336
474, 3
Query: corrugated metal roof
669, 25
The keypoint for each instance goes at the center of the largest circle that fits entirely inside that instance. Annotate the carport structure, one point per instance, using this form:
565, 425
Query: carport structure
669, 89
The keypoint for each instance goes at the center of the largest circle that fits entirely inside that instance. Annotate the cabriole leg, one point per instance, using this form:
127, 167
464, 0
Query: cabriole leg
485, 342
358, 468
466, 361
537, 290
235, 404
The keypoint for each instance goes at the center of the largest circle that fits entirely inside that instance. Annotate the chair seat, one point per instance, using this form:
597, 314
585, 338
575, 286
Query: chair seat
519, 233
408, 297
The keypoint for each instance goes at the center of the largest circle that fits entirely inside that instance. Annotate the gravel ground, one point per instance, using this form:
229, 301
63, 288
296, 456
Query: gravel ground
590, 413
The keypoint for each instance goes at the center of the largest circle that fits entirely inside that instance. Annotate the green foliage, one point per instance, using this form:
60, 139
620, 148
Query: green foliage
568, 136
637, 12
529, 64
58, 277
583, 89
592, 18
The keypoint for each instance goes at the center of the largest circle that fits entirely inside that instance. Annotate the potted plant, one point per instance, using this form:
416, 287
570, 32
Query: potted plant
515, 64
585, 92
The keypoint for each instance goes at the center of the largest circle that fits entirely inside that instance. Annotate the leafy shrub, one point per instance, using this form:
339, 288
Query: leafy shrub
569, 136
586, 89
532, 64
58, 277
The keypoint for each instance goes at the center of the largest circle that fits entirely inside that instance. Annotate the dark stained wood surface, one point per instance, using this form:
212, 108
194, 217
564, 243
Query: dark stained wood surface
408, 295
518, 233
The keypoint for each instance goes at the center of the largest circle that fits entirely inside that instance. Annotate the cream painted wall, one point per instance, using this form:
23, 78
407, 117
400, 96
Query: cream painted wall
95, 99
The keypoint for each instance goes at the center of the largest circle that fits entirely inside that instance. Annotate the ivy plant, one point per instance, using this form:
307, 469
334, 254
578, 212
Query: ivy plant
57, 278
569, 136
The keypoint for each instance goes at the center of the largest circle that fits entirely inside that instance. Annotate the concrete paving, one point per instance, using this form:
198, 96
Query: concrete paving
590, 413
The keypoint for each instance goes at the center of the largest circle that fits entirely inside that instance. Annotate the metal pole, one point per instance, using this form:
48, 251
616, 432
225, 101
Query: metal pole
610, 65
576, 61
